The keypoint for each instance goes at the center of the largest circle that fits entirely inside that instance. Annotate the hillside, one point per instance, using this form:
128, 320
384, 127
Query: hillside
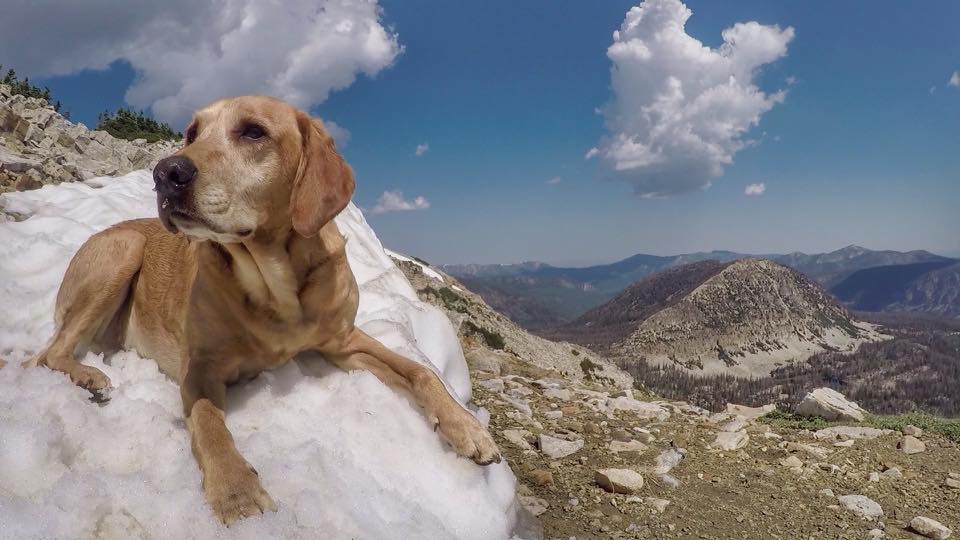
537, 295
928, 287
743, 318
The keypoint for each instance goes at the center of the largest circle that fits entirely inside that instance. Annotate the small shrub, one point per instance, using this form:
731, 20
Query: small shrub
493, 339
791, 420
27, 89
128, 124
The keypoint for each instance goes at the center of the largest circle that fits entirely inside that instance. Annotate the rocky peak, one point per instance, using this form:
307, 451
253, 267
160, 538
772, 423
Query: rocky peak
39, 146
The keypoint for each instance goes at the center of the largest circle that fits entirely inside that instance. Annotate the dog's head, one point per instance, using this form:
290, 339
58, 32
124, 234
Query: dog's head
252, 164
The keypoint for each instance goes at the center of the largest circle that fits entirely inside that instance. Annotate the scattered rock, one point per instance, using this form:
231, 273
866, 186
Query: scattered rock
750, 413
912, 430
659, 505
827, 492
911, 445
484, 359
541, 477
645, 410
553, 415
494, 385
619, 480
830, 405
558, 448
560, 394
850, 432
876, 533
534, 505
518, 437
930, 528
627, 446
737, 424
791, 462
862, 506
952, 482
668, 459
730, 441
893, 473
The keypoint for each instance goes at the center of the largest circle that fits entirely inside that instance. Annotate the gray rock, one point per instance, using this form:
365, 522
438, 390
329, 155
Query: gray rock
561, 394
843, 433
553, 415
627, 446
862, 506
495, 385
482, 359
534, 505
911, 445
625, 481
737, 424
668, 459
912, 430
558, 448
728, 441
930, 528
831, 405
518, 437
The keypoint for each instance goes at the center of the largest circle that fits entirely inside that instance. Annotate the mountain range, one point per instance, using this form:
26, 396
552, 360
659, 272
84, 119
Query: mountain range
537, 295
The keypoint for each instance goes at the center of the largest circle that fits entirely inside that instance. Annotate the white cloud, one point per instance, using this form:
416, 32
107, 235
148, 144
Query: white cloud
554, 181
681, 110
954, 79
340, 134
393, 201
791, 80
189, 52
421, 149
755, 190
592, 153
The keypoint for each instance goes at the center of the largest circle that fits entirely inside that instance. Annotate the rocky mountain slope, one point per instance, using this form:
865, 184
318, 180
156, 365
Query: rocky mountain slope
928, 287
38, 146
537, 295
743, 318
599, 461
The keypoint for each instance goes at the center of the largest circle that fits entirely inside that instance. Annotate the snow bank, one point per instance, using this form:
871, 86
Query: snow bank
343, 456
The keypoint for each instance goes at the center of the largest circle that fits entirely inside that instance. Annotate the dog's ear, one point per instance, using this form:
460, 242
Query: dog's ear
324, 182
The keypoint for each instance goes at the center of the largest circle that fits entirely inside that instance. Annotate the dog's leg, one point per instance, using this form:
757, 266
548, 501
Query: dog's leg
94, 287
230, 484
456, 425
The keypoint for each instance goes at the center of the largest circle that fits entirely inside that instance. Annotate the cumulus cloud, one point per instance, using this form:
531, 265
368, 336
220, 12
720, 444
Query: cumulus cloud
394, 201
189, 52
954, 79
755, 190
681, 110
554, 181
340, 134
421, 149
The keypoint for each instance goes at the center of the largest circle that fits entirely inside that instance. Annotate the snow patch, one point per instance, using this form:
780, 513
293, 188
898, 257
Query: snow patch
343, 456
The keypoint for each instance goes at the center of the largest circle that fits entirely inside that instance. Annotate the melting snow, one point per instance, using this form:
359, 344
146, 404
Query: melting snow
343, 456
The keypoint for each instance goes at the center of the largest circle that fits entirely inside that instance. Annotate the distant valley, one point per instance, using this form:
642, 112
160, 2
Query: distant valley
538, 296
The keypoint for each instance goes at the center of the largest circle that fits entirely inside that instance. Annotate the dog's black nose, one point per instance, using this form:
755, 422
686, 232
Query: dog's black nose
174, 172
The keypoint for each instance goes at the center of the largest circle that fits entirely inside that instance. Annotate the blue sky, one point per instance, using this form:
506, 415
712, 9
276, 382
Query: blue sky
862, 149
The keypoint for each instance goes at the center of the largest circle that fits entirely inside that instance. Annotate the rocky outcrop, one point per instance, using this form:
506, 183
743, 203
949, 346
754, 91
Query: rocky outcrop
38, 146
746, 320
830, 405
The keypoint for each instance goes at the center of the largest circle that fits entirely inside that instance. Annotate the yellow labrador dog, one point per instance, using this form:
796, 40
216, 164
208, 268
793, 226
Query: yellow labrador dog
244, 269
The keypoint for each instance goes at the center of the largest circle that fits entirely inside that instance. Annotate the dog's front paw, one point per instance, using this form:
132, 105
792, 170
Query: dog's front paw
467, 436
237, 494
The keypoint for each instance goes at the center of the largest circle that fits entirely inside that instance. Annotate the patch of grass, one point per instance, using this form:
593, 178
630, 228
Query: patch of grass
784, 419
493, 339
948, 427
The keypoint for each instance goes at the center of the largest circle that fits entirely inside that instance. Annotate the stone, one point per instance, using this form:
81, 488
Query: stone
844, 433
558, 448
482, 359
541, 477
521, 405
624, 481
911, 445
830, 405
953, 483
827, 492
730, 441
930, 528
534, 505
659, 505
864, 507
560, 394
553, 415
912, 430
627, 446
893, 473
518, 437
643, 409
494, 385
791, 462
750, 413
737, 424
28, 182
876, 533
874, 477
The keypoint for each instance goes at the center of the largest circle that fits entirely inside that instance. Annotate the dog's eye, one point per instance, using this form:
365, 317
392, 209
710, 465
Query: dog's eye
252, 132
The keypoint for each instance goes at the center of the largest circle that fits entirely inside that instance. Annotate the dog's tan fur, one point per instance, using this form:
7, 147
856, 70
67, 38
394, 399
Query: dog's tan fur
256, 273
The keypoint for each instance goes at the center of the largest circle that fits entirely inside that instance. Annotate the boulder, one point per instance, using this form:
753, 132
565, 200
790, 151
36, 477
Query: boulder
911, 445
558, 448
930, 528
830, 405
863, 506
624, 481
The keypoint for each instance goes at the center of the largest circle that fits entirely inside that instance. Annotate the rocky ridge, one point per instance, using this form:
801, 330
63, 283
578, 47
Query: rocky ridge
38, 146
596, 460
